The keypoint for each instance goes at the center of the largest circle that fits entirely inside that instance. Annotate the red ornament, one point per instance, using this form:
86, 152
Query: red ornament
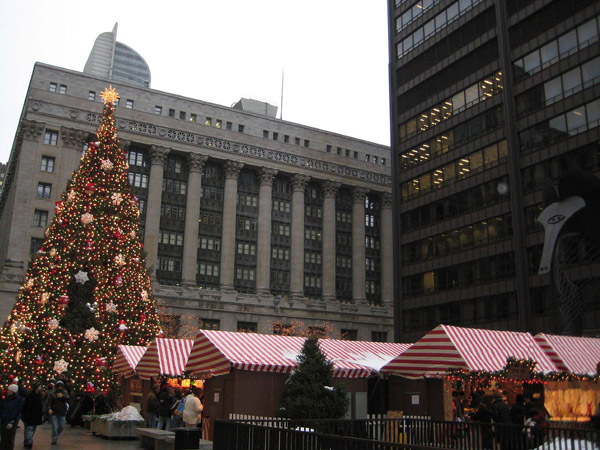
142, 317
57, 207
38, 360
63, 301
119, 280
122, 326
53, 269
100, 362
90, 188
63, 222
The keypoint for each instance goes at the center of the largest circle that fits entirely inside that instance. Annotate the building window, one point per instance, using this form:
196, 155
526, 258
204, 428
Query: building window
247, 327
266, 134
174, 186
218, 123
208, 121
240, 128
92, 96
306, 143
347, 153
246, 248
44, 190
208, 269
182, 115
138, 180
383, 161
367, 158
172, 211
209, 324
40, 218
171, 112
229, 126
51, 137
208, 243
328, 148
129, 104
171, 238
339, 150
349, 335
297, 141
355, 156
174, 165
193, 118
158, 110
169, 263
35, 245
136, 159
275, 136
286, 138
244, 273
53, 87
47, 164
378, 336
62, 89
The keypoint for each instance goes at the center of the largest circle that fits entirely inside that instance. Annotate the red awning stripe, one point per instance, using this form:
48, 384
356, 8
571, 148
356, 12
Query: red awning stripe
127, 359
216, 352
447, 347
577, 355
164, 357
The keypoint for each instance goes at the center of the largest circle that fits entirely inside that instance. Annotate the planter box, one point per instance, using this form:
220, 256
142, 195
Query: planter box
116, 429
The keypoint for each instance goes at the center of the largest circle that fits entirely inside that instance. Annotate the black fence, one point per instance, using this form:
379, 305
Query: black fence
388, 434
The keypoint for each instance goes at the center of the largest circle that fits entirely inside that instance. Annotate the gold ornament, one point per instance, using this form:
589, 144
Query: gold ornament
109, 95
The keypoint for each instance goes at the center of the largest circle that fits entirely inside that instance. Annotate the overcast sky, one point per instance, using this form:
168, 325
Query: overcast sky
334, 54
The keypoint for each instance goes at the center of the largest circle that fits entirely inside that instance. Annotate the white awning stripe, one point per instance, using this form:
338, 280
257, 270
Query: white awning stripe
128, 357
577, 355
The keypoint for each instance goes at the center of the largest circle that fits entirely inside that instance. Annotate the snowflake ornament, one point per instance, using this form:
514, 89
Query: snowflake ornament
119, 260
29, 283
81, 277
45, 298
116, 198
91, 334
53, 324
106, 164
71, 196
60, 366
144, 295
111, 307
86, 218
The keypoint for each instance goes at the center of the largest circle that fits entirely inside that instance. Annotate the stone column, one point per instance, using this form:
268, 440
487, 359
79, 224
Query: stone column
358, 245
232, 170
159, 156
192, 215
297, 244
387, 250
263, 252
329, 190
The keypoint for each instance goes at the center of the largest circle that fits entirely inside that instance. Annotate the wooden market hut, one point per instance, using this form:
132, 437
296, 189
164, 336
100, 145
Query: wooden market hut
576, 396
126, 360
245, 373
418, 384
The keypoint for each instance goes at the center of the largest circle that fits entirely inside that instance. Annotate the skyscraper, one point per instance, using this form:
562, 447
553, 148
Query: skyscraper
489, 99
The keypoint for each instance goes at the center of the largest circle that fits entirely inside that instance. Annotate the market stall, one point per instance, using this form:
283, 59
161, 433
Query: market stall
245, 372
421, 376
127, 358
573, 394
164, 357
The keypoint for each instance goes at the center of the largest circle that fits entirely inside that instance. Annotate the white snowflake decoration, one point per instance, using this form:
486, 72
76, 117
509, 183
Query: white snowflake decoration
81, 277
111, 307
132, 233
45, 298
116, 198
53, 324
91, 334
106, 164
145, 295
119, 260
86, 218
60, 366
71, 196
29, 283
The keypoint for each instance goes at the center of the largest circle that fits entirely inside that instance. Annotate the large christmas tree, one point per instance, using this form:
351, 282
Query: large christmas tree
87, 289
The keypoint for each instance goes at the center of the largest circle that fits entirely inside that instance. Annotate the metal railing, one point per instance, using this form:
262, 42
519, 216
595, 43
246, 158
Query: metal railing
384, 434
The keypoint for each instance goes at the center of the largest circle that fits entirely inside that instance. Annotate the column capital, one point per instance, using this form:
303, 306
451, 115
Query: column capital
159, 154
124, 144
299, 182
31, 129
358, 194
266, 176
196, 162
386, 200
72, 137
232, 169
330, 188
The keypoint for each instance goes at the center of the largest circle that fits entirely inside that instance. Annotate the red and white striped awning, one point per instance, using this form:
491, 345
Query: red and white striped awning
447, 347
128, 357
577, 355
216, 352
164, 357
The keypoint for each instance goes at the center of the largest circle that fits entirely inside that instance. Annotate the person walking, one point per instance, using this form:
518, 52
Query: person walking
32, 414
152, 407
164, 413
177, 409
57, 410
192, 412
46, 401
10, 413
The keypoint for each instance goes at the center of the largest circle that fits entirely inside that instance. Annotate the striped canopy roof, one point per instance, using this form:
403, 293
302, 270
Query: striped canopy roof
216, 352
447, 347
577, 355
127, 359
164, 357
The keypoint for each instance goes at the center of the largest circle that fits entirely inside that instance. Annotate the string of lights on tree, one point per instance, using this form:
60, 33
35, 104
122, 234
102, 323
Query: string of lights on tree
87, 290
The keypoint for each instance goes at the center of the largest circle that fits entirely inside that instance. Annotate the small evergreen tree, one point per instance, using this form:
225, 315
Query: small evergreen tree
309, 393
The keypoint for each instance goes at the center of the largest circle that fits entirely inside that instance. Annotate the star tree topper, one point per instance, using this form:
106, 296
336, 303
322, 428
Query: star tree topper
109, 95
81, 277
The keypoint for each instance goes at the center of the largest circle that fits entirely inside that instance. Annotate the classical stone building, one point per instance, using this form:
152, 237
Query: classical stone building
490, 100
247, 219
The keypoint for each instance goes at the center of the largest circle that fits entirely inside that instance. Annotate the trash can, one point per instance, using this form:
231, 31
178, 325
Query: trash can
187, 438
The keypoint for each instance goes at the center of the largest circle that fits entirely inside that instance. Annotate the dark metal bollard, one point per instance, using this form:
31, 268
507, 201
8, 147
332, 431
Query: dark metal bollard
187, 438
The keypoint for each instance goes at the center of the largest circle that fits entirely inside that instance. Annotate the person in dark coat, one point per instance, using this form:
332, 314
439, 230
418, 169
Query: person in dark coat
57, 410
32, 414
503, 419
164, 413
485, 415
152, 407
10, 414
46, 400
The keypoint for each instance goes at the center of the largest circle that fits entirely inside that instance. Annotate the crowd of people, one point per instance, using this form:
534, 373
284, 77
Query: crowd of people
53, 403
168, 408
